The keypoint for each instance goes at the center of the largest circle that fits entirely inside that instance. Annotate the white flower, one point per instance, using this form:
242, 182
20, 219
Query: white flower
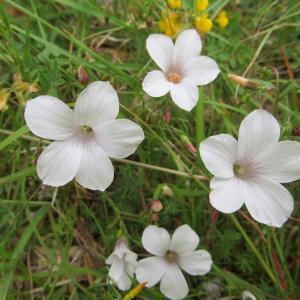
246, 295
251, 169
182, 68
84, 138
122, 263
171, 254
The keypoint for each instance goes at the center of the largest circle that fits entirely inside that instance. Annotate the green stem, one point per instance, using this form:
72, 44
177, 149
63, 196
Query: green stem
200, 135
253, 248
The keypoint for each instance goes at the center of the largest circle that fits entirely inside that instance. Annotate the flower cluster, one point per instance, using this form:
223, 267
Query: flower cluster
170, 256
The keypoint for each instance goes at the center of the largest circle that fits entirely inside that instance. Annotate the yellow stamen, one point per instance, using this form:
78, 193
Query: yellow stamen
171, 256
174, 77
86, 129
238, 170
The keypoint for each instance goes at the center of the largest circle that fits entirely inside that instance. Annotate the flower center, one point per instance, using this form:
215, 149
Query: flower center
86, 129
171, 256
174, 77
239, 170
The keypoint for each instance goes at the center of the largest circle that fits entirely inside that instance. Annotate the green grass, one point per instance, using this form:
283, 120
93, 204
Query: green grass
54, 240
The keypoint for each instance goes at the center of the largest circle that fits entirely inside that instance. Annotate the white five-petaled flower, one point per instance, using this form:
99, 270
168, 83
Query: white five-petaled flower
122, 263
182, 68
170, 256
252, 169
84, 138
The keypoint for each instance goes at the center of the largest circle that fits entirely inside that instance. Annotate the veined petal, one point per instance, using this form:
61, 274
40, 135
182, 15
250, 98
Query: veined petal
96, 104
160, 48
150, 270
155, 84
258, 131
116, 269
201, 70
281, 162
59, 162
49, 118
95, 171
196, 262
228, 195
188, 44
185, 94
268, 202
219, 153
173, 284
184, 239
156, 240
119, 138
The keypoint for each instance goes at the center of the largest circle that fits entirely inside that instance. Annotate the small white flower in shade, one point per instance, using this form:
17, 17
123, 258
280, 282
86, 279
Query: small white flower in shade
252, 169
246, 295
84, 138
170, 256
182, 69
122, 263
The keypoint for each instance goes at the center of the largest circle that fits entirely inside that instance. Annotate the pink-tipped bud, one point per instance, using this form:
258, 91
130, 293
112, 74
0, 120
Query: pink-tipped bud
156, 206
297, 131
82, 75
121, 243
188, 143
168, 115
154, 218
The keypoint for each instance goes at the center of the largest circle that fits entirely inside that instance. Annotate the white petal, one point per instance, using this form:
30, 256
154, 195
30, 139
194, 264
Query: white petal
258, 131
219, 153
124, 282
173, 284
196, 263
59, 162
155, 84
202, 70
228, 195
281, 162
160, 48
119, 138
96, 104
95, 171
49, 118
116, 269
184, 239
156, 240
150, 270
268, 202
188, 44
185, 94
246, 295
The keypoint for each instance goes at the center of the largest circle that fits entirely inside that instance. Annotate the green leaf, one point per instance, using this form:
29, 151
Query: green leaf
14, 137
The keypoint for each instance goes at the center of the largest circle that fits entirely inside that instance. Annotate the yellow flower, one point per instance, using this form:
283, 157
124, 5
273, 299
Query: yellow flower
202, 5
203, 24
169, 24
4, 94
222, 19
174, 3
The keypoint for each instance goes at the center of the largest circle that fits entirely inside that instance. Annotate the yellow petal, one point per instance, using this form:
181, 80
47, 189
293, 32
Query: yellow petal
223, 22
202, 5
174, 3
203, 24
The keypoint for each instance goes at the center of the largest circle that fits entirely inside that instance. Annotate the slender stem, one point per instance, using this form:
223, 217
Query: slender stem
253, 248
200, 135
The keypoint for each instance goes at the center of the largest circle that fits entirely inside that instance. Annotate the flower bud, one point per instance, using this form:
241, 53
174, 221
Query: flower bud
214, 215
82, 75
166, 191
154, 218
156, 206
296, 131
188, 143
168, 115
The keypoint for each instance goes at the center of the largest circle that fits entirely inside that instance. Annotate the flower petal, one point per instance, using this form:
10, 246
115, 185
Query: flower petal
258, 131
116, 269
96, 104
196, 262
219, 153
173, 284
156, 240
124, 282
268, 202
281, 162
188, 44
150, 270
160, 48
119, 138
95, 171
49, 118
228, 195
184, 239
155, 84
185, 94
59, 162
202, 70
